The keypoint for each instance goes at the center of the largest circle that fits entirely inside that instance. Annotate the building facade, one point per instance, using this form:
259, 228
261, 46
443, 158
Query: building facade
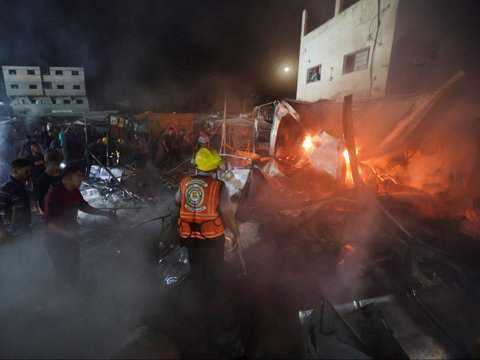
375, 48
58, 90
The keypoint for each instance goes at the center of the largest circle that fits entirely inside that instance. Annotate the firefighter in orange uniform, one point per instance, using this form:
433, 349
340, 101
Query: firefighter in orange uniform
205, 210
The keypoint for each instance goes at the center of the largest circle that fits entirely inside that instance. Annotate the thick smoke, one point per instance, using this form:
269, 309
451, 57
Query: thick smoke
446, 162
118, 287
6, 150
162, 56
185, 57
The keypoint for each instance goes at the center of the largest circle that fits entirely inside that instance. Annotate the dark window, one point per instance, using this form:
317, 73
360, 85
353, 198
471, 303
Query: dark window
319, 12
12, 72
58, 72
47, 85
76, 87
75, 73
14, 86
356, 61
345, 4
54, 102
79, 101
60, 87
30, 72
314, 74
32, 86
66, 101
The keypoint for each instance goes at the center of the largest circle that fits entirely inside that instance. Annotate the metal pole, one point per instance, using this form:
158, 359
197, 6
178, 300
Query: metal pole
224, 125
129, 193
108, 140
86, 142
254, 134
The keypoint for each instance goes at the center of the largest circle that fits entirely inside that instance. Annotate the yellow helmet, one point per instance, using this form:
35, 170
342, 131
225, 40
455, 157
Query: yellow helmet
207, 160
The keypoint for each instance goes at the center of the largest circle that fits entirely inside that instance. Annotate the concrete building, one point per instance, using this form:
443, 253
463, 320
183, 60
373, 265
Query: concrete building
58, 90
373, 48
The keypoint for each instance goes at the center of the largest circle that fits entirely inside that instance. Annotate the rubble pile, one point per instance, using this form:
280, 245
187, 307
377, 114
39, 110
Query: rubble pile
346, 248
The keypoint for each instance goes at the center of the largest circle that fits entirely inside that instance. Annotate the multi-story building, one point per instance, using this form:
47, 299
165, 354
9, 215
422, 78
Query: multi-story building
373, 48
59, 90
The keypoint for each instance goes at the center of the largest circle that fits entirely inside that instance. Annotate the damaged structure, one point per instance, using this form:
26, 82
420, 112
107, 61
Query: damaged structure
340, 265
358, 207
376, 48
34, 94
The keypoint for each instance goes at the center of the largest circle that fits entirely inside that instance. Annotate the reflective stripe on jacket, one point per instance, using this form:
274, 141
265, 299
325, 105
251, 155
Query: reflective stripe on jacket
199, 208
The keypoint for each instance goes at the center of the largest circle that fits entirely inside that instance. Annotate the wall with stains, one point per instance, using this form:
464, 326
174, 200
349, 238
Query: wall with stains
353, 29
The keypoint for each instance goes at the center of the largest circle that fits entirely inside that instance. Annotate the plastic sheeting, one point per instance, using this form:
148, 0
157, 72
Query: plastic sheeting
282, 111
99, 172
324, 155
383, 127
174, 267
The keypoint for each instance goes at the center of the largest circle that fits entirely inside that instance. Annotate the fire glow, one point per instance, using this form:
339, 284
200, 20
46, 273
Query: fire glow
346, 157
348, 168
307, 143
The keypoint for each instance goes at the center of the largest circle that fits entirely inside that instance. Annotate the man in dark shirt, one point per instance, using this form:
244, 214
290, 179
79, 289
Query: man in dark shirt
168, 143
179, 144
26, 147
51, 177
61, 210
142, 151
215, 140
15, 202
47, 139
36, 162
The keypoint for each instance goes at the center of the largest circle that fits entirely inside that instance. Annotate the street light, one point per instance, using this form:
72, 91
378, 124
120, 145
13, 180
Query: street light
286, 69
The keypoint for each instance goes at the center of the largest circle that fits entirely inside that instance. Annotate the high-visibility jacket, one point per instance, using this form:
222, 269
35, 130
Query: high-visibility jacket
199, 208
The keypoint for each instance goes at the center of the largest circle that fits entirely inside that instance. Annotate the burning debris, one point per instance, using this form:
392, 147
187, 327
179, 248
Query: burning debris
332, 204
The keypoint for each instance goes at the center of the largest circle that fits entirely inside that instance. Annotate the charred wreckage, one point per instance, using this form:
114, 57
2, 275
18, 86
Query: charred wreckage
347, 248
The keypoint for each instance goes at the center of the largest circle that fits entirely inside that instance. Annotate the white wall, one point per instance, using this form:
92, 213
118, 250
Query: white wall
68, 89
22, 80
351, 30
67, 79
39, 109
38, 102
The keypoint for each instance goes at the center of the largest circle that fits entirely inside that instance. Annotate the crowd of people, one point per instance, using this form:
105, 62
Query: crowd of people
165, 151
45, 179
67, 142
39, 187
48, 150
173, 147
47, 175
58, 200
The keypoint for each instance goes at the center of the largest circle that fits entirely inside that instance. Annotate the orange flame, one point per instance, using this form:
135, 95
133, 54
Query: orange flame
346, 157
307, 143
348, 175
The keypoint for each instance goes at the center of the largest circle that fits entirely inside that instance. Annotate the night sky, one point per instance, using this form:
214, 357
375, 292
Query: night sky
164, 55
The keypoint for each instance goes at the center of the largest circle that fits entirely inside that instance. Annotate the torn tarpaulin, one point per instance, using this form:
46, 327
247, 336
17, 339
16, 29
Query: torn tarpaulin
383, 127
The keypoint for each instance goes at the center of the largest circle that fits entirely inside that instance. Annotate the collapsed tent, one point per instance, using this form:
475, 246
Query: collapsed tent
305, 133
